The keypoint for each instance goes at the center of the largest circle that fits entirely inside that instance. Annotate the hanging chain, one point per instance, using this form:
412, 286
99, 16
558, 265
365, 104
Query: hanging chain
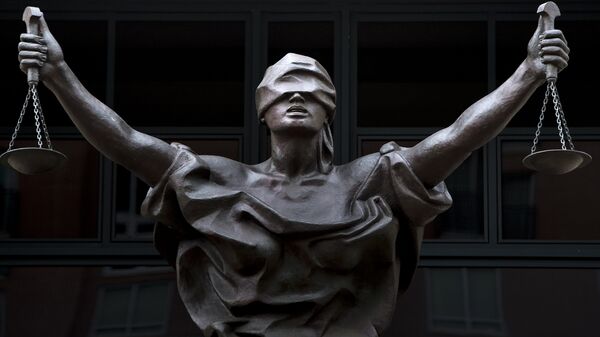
42, 120
561, 121
561, 113
36, 114
539, 125
20, 120
557, 114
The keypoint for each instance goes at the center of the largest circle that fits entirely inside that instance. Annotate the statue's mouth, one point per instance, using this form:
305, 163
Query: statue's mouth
297, 111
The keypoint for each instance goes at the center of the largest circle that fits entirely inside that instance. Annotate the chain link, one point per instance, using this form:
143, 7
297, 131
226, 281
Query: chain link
42, 120
561, 121
558, 106
539, 125
557, 114
36, 115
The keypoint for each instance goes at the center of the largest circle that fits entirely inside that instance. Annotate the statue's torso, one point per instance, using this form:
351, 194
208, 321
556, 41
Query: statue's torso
264, 256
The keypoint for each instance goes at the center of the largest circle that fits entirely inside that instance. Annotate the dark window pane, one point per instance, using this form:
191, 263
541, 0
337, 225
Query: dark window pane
112, 314
129, 223
527, 302
180, 73
464, 221
93, 301
577, 84
58, 204
419, 73
149, 309
84, 45
447, 294
507, 302
483, 300
13, 83
549, 207
134, 308
314, 39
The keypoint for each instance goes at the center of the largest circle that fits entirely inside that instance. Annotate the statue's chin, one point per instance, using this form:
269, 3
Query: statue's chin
295, 128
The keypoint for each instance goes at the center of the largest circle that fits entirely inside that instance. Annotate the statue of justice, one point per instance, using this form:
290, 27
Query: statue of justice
295, 245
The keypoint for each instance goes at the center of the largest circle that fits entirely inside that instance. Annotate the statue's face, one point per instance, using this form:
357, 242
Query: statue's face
296, 112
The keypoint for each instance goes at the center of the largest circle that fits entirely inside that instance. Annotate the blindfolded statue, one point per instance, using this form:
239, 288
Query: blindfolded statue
293, 246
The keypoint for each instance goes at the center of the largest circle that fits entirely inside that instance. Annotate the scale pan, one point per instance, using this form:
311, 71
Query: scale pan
32, 160
556, 161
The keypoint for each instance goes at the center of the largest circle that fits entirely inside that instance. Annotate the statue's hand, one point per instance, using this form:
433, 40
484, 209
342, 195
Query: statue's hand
41, 51
546, 47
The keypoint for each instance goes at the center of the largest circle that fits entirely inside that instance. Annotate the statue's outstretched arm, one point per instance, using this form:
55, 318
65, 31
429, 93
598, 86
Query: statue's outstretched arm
439, 155
144, 155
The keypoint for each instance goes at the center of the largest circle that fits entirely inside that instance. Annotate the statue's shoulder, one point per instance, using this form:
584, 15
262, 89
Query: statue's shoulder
365, 166
213, 163
368, 162
359, 167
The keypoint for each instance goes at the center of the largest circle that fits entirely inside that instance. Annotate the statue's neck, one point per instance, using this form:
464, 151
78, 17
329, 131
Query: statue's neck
294, 156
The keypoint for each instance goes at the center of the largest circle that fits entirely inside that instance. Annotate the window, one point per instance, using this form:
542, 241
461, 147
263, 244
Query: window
84, 44
129, 223
404, 73
290, 37
132, 310
501, 302
137, 270
464, 301
180, 73
62, 204
546, 207
575, 84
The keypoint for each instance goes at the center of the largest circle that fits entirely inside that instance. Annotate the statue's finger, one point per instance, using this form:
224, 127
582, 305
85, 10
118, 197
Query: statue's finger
25, 37
26, 54
28, 63
558, 61
32, 47
556, 51
555, 42
554, 33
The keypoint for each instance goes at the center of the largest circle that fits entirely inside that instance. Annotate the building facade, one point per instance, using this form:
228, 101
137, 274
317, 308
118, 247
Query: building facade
517, 255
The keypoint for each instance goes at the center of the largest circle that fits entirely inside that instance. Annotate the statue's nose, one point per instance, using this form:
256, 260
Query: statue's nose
296, 97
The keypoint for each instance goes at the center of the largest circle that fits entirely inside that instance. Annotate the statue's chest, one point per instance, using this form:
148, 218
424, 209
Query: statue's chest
313, 200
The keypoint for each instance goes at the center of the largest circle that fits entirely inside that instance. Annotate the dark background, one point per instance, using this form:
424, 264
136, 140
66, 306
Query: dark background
517, 255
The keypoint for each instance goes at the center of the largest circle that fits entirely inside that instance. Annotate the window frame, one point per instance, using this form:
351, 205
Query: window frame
346, 15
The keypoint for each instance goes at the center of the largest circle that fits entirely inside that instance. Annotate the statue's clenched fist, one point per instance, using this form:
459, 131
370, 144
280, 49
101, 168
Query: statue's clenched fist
41, 51
547, 48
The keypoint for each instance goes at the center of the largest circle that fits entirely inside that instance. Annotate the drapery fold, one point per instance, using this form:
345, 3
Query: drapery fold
324, 256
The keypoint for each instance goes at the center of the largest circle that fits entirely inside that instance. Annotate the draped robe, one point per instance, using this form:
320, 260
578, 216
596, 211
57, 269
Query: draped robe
324, 255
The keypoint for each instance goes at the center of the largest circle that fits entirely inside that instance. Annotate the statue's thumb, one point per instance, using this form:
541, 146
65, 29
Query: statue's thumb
44, 30
540, 27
